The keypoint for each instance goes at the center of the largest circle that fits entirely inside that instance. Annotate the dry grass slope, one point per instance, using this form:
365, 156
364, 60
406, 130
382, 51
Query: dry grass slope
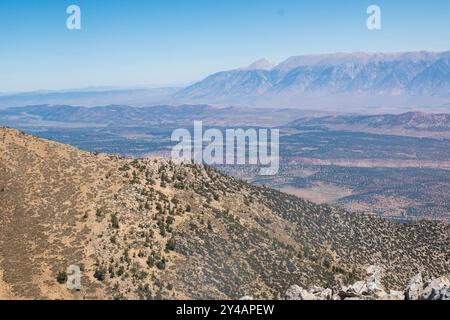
154, 229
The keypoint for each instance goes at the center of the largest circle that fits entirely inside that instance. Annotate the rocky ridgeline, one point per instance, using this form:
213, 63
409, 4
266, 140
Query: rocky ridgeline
372, 289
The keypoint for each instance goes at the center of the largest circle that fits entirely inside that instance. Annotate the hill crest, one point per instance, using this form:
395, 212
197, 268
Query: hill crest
150, 228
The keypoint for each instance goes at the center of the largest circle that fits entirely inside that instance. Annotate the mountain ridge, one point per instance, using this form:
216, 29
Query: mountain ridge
383, 76
421, 121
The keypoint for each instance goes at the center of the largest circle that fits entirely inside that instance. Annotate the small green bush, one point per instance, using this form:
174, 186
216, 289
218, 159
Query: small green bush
171, 244
62, 277
161, 264
100, 274
114, 221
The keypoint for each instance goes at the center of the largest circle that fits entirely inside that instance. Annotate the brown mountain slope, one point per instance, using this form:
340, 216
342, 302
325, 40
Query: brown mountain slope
151, 228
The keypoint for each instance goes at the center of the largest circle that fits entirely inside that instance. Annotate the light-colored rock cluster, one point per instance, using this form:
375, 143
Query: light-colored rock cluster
373, 289
435, 289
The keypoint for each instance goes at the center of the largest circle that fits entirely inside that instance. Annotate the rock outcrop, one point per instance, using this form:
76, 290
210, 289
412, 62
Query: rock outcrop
437, 289
373, 289
415, 288
298, 293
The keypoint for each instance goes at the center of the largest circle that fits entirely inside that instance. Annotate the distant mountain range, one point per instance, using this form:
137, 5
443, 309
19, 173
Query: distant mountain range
185, 115
411, 121
156, 116
90, 97
341, 81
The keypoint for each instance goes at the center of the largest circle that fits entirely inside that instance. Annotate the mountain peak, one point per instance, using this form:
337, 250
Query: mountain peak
261, 64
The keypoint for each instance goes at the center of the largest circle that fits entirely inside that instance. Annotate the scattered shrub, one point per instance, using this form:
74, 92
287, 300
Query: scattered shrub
114, 221
161, 264
150, 261
171, 244
100, 274
62, 277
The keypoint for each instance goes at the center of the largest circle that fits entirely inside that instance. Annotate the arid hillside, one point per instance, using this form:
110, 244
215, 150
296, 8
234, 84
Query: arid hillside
154, 229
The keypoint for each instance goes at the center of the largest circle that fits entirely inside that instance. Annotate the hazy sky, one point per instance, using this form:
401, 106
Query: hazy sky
132, 42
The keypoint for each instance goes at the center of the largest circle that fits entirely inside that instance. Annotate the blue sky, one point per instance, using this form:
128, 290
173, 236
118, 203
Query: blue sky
137, 42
